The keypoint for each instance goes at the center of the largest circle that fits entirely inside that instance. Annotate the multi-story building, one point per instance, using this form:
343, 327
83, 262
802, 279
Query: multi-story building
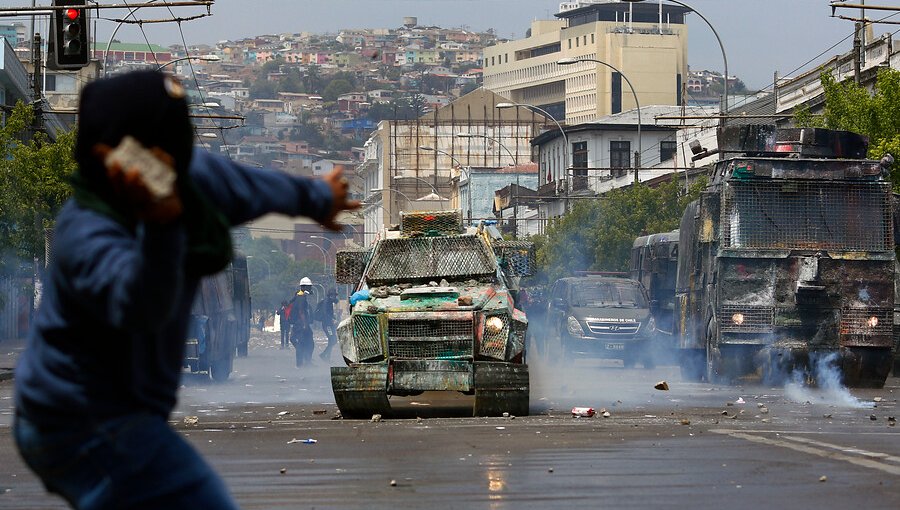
407, 161
647, 42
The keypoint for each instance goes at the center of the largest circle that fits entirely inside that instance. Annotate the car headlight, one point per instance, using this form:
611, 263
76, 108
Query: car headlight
737, 319
574, 327
493, 325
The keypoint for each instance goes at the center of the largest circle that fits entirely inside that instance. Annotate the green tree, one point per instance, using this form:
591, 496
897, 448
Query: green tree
335, 89
34, 184
598, 234
851, 107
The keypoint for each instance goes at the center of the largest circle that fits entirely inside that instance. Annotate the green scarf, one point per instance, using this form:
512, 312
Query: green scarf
209, 240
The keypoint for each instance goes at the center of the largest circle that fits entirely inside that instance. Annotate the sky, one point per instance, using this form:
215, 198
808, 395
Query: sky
759, 36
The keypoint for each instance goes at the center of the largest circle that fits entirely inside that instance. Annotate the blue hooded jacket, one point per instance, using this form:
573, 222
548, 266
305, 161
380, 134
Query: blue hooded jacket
108, 338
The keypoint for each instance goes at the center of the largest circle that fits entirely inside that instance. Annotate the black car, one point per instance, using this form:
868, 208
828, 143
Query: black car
600, 317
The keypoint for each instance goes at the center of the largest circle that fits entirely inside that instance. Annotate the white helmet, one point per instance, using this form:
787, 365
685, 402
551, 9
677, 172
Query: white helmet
305, 281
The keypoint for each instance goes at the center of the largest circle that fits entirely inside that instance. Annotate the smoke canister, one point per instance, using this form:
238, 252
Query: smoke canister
583, 412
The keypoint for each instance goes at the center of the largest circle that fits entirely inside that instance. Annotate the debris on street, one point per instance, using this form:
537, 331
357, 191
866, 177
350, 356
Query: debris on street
304, 441
376, 418
191, 420
583, 412
662, 386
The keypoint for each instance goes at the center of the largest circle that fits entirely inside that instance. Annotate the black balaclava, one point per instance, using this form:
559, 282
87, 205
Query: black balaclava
150, 107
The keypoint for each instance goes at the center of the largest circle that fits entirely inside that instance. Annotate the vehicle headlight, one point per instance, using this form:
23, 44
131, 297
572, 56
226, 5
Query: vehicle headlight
574, 327
737, 319
872, 321
493, 325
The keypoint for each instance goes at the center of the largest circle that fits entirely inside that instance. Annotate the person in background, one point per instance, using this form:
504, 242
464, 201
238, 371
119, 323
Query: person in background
301, 323
285, 324
325, 314
150, 216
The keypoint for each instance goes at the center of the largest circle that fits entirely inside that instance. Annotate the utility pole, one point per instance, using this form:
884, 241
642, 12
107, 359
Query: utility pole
37, 85
857, 52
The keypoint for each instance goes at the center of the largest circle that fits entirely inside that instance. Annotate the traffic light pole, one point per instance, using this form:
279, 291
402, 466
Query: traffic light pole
37, 81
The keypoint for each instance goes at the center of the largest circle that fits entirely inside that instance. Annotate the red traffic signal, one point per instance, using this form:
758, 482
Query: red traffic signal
72, 14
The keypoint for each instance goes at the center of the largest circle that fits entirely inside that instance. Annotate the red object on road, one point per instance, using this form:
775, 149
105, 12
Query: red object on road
583, 412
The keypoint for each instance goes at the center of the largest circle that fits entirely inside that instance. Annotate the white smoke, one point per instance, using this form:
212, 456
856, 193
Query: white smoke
828, 390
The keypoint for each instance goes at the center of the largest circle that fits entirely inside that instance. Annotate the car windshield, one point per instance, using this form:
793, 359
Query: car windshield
594, 294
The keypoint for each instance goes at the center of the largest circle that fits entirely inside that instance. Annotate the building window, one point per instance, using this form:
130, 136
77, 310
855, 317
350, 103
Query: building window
667, 150
592, 38
619, 157
570, 44
579, 159
577, 42
616, 93
584, 40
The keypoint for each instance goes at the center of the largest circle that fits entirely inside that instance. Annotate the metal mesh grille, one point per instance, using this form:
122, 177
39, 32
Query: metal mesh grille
518, 258
399, 260
440, 222
430, 338
820, 215
367, 335
746, 319
349, 265
867, 321
494, 344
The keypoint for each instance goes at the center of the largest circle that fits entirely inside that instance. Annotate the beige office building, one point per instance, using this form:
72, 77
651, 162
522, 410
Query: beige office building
646, 41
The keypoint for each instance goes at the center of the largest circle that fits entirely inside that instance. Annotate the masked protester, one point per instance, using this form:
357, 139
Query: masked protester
150, 216
301, 323
325, 313
283, 314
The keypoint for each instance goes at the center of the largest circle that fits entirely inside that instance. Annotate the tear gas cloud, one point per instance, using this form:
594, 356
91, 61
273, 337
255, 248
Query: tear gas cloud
828, 390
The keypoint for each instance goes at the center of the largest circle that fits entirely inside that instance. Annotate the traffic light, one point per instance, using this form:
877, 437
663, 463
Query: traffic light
69, 44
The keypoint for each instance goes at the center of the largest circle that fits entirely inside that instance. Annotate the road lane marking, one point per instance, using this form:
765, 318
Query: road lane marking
806, 447
844, 449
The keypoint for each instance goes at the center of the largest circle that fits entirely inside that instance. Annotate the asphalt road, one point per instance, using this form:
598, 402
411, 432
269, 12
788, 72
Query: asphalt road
695, 445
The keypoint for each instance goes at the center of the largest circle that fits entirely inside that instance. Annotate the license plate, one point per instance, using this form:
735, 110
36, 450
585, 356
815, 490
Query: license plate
615, 347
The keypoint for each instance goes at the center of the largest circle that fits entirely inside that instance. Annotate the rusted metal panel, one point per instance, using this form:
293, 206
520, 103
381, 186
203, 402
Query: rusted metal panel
430, 375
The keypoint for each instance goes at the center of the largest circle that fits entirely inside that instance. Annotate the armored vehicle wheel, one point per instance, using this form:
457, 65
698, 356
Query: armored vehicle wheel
693, 364
360, 390
866, 367
242, 350
501, 388
729, 363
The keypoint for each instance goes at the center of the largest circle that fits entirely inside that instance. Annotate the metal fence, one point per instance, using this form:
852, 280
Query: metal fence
410, 259
815, 215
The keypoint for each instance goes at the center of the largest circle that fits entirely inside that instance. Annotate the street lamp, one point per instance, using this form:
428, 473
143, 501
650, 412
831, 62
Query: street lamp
502, 106
570, 61
439, 151
479, 135
324, 256
201, 58
268, 267
721, 46
325, 239
433, 189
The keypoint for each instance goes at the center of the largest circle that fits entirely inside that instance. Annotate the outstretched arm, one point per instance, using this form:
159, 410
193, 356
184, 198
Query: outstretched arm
243, 193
